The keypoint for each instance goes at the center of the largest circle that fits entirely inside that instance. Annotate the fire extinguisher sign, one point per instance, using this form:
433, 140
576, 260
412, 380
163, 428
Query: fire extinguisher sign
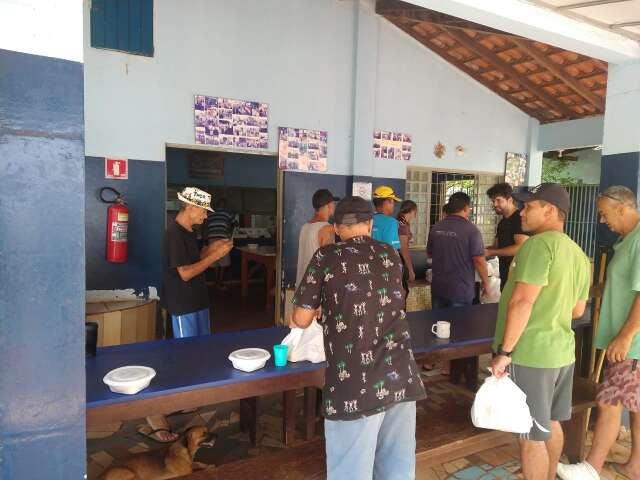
116, 168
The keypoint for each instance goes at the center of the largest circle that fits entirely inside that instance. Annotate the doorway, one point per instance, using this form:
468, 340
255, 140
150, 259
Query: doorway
243, 288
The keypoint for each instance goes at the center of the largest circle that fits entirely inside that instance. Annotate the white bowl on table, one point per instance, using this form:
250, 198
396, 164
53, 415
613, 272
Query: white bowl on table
249, 359
129, 380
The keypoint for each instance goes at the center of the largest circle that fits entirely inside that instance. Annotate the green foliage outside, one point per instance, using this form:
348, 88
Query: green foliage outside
557, 171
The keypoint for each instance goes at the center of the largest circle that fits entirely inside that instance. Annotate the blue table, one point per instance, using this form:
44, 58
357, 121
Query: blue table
195, 371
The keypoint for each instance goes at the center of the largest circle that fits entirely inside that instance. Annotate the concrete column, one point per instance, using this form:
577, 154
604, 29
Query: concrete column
365, 81
534, 154
621, 144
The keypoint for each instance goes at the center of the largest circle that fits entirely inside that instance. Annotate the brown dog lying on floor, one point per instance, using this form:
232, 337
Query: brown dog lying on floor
177, 461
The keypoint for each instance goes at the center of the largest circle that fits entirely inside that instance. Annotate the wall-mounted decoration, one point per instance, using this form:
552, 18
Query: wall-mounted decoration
203, 164
362, 189
301, 149
116, 168
391, 145
515, 169
460, 150
439, 150
227, 123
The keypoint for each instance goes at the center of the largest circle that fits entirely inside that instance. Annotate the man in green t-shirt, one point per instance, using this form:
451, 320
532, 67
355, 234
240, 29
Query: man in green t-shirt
547, 287
617, 334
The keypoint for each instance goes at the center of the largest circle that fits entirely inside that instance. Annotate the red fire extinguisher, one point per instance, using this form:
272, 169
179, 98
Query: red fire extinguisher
117, 226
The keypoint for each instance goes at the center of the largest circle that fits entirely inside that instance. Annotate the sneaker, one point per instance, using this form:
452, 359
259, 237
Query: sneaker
577, 471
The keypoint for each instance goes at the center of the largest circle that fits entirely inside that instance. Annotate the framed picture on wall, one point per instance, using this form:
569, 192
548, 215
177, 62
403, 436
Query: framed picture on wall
515, 169
392, 145
229, 123
209, 165
301, 149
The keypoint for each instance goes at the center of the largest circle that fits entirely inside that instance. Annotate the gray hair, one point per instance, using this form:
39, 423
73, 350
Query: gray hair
621, 194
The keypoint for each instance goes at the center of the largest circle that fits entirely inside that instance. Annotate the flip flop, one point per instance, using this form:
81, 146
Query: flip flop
150, 432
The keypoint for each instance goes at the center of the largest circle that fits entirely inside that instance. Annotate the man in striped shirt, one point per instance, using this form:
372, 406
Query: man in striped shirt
219, 226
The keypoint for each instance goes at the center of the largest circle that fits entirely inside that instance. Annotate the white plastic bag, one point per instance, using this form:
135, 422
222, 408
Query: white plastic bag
501, 405
305, 344
492, 295
493, 266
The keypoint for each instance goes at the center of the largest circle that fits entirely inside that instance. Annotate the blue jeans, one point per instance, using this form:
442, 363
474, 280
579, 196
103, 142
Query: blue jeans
191, 324
381, 446
441, 302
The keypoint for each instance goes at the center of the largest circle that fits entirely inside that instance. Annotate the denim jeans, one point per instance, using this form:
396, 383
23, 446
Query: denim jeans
191, 324
441, 302
381, 446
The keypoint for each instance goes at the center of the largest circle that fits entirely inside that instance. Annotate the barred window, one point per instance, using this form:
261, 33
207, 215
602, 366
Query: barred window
431, 189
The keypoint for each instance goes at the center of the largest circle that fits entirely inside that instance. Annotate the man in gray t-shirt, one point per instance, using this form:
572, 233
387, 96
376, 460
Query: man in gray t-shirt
457, 251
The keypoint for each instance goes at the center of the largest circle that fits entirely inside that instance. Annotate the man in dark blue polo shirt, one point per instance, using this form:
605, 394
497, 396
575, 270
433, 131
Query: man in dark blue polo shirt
457, 251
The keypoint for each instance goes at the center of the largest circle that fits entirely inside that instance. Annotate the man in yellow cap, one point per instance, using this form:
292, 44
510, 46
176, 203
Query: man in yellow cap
385, 226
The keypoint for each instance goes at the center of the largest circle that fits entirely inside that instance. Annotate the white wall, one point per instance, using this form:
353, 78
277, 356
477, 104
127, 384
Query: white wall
295, 55
315, 62
418, 92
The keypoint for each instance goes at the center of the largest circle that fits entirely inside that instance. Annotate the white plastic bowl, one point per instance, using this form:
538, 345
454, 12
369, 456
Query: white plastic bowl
130, 379
249, 359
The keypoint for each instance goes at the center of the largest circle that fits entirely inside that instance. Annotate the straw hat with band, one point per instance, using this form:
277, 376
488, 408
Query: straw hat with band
195, 196
385, 192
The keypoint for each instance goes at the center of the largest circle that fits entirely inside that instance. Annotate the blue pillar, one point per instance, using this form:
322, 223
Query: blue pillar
42, 391
621, 144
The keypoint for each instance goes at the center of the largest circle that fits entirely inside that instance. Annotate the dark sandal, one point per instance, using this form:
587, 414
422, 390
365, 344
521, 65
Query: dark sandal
151, 432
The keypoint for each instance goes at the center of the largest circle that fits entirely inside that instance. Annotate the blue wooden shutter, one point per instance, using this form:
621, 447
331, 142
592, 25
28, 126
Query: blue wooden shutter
125, 25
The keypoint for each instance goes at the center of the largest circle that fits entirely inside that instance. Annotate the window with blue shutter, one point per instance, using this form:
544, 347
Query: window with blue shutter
125, 25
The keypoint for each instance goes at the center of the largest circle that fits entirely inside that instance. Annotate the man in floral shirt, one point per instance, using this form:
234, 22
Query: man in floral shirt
371, 379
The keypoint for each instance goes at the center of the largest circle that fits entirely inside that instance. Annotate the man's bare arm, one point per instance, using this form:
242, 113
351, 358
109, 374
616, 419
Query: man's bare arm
302, 317
619, 347
509, 251
518, 313
215, 252
326, 235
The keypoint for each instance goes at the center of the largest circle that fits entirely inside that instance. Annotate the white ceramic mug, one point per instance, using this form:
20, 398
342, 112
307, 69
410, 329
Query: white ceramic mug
441, 329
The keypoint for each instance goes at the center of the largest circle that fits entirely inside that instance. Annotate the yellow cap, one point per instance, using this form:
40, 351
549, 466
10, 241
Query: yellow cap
385, 192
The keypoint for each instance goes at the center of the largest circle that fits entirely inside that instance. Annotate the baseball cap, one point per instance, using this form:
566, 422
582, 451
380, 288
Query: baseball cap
351, 210
385, 192
553, 193
322, 197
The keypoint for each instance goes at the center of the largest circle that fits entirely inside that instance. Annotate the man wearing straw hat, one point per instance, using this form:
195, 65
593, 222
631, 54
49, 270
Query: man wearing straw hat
184, 287
617, 334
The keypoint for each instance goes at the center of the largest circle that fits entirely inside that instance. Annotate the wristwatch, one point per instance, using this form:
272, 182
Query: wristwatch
502, 352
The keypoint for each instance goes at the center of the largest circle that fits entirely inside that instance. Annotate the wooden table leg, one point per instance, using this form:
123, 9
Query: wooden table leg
249, 418
244, 275
575, 436
289, 416
270, 281
310, 411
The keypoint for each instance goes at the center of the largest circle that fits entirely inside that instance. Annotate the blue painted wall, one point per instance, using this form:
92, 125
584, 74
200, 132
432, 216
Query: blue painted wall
144, 193
257, 171
617, 169
42, 391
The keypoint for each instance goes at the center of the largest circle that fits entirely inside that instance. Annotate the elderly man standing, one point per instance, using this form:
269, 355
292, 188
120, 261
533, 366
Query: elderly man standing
617, 334
547, 287
371, 381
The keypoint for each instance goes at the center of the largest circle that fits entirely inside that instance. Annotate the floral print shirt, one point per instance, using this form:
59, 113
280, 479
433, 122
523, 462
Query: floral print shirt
370, 364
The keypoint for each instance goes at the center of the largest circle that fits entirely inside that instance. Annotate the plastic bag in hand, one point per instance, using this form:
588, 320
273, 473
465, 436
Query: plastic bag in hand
492, 294
305, 344
501, 405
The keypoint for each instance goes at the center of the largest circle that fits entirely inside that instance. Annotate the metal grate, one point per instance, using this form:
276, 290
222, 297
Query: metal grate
431, 189
582, 221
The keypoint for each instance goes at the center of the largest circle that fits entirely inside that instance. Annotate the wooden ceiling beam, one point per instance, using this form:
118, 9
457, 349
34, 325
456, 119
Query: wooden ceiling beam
507, 69
557, 71
444, 53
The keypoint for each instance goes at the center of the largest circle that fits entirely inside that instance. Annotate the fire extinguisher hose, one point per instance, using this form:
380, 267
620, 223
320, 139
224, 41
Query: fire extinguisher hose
119, 198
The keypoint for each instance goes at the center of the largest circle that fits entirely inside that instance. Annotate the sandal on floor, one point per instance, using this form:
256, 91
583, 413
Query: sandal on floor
148, 433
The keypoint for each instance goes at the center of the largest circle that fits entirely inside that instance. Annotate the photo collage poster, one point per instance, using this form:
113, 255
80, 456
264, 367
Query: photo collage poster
515, 169
303, 150
391, 145
227, 123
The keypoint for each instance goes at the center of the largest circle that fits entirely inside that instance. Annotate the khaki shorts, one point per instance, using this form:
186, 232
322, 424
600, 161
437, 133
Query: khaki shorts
621, 384
549, 392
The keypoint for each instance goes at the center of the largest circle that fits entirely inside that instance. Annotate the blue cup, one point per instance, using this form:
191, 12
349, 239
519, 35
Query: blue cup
280, 355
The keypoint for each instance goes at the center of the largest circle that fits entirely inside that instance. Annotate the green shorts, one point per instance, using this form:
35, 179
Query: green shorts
549, 392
